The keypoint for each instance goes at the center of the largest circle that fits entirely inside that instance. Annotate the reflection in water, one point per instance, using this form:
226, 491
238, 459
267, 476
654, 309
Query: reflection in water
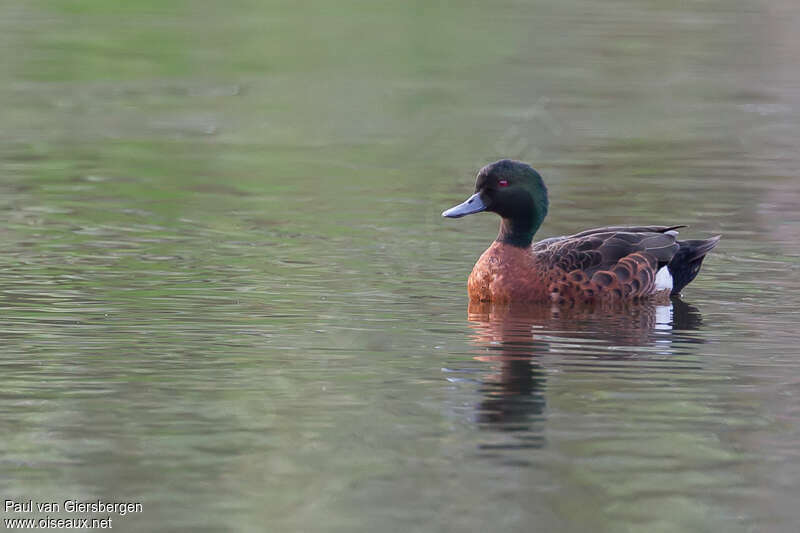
515, 339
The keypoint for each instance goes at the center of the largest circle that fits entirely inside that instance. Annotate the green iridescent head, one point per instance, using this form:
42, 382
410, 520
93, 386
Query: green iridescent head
513, 190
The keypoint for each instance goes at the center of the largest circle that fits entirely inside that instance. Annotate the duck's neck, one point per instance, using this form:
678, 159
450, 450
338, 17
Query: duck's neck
523, 215
519, 231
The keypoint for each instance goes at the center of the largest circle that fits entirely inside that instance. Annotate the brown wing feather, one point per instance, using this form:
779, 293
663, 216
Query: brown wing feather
630, 229
608, 263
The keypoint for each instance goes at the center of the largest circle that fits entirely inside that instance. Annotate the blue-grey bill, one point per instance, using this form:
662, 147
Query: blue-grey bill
473, 204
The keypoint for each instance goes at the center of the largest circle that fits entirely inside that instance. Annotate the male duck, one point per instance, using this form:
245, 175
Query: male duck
616, 263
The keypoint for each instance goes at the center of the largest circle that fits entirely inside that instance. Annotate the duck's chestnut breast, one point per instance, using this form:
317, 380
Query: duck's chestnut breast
504, 273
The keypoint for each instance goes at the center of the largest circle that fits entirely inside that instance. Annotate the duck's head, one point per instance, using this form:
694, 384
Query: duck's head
513, 190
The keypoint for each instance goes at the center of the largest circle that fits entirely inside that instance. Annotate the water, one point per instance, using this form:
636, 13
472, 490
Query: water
227, 292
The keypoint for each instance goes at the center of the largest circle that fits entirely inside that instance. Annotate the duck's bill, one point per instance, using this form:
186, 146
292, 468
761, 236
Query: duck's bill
474, 204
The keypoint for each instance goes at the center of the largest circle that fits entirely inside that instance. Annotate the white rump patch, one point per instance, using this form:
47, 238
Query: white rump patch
663, 279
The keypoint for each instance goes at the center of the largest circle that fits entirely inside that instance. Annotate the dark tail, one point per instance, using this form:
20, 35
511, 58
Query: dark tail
685, 264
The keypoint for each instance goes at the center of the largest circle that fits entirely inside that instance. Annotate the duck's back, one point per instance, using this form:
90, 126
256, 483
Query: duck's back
615, 263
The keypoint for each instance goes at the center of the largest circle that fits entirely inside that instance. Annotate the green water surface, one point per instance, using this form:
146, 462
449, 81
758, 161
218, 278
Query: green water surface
227, 293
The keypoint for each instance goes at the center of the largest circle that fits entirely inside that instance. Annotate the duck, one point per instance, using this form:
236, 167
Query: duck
608, 264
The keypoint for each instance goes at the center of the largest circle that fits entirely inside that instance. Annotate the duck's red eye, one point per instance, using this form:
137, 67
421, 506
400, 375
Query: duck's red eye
503, 183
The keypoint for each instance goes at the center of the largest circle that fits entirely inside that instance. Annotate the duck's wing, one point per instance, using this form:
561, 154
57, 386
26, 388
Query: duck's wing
630, 229
622, 259
544, 243
602, 248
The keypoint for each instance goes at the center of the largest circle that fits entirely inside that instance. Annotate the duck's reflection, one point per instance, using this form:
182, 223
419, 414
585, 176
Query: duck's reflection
517, 341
